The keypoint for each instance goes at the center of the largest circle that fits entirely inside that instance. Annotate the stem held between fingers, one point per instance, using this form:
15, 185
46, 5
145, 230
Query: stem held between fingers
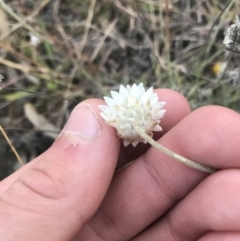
172, 154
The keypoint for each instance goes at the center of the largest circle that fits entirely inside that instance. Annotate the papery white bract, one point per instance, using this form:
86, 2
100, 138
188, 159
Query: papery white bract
133, 105
232, 35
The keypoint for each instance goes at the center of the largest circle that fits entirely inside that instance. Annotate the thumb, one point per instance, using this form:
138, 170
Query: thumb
63, 189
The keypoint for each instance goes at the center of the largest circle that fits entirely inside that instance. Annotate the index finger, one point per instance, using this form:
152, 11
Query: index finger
145, 190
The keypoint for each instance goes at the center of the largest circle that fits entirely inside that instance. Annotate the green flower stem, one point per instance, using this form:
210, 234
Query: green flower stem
172, 154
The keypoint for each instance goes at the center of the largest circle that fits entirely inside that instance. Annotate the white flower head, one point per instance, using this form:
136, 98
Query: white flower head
133, 106
232, 37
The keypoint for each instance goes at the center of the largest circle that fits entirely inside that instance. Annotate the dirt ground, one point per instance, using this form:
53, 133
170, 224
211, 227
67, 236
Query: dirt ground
54, 54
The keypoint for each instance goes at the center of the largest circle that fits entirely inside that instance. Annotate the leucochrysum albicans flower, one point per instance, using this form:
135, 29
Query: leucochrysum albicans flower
232, 37
135, 114
133, 105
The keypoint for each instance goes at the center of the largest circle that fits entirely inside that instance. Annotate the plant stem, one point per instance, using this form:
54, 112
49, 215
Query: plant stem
172, 154
11, 145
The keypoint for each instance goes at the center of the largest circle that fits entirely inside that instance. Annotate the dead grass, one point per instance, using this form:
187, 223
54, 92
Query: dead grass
89, 47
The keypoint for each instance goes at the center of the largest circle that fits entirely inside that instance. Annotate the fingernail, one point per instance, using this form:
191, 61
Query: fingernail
83, 123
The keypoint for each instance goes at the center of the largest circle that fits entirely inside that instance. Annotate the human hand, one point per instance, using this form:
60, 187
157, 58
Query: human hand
58, 196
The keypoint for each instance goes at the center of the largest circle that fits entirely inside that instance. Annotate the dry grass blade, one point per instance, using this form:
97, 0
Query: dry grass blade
18, 25
39, 71
22, 21
11, 145
4, 28
88, 23
40, 122
108, 30
127, 10
8, 63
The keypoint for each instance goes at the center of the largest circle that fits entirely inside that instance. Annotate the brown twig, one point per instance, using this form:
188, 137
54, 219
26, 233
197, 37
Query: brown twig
11, 145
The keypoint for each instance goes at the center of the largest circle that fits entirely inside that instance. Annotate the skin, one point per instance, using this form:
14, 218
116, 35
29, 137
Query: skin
73, 192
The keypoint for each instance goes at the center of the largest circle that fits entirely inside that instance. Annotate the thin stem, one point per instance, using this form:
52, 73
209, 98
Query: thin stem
172, 154
88, 23
11, 145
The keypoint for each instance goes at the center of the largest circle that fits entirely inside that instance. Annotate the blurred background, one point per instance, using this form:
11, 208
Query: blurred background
56, 53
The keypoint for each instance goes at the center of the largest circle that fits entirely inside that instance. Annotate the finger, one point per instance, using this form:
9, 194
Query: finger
154, 183
220, 236
207, 208
63, 189
177, 107
8, 181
